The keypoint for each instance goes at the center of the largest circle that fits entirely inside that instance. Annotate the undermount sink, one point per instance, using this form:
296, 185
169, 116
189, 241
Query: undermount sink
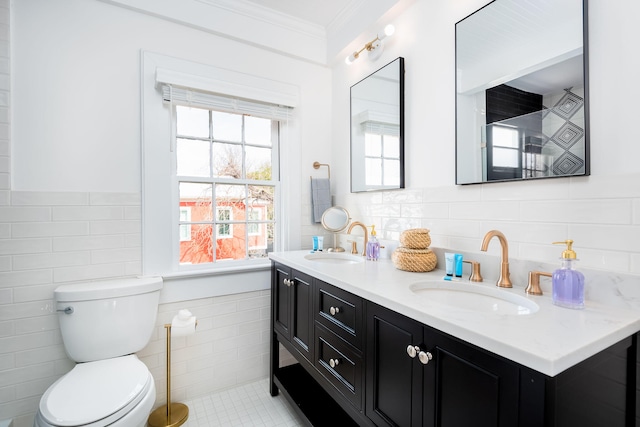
473, 297
335, 258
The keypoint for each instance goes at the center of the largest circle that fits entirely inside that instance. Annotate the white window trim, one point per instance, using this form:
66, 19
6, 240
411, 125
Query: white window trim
157, 251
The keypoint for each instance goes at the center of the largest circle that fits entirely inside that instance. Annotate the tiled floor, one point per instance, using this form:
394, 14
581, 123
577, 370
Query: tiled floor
247, 405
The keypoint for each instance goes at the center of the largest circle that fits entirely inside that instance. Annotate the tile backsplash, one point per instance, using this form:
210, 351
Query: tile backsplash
600, 213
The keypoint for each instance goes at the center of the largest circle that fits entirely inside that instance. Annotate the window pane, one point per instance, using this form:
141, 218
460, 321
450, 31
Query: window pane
226, 126
192, 157
505, 157
231, 197
192, 122
372, 145
391, 172
198, 198
227, 160
391, 146
262, 195
199, 248
257, 131
234, 246
505, 137
373, 171
258, 163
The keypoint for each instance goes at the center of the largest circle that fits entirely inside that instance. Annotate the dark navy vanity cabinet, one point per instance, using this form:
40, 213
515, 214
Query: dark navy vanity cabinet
361, 364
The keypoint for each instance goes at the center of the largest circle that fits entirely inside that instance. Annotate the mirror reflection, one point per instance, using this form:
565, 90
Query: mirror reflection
377, 130
521, 91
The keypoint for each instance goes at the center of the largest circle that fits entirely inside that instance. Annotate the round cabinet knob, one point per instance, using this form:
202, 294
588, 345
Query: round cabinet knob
412, 350
334, 310
288, 282
425, 357
334, 362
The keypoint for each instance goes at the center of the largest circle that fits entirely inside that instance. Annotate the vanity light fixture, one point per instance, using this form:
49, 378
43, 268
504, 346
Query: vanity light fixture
374, 47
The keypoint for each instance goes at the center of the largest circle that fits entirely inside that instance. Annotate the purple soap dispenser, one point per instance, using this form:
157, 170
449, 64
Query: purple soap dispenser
567, 282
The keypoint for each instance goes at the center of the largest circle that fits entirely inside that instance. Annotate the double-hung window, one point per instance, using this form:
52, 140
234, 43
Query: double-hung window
225, 175
212, 202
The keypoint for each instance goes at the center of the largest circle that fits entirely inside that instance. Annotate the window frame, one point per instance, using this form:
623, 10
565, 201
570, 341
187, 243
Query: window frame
157, 143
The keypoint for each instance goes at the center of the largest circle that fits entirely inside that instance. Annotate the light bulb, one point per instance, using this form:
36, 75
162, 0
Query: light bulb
389, 30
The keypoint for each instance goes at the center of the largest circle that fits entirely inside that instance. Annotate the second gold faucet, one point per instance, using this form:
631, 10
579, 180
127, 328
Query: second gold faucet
504, 281
354, 247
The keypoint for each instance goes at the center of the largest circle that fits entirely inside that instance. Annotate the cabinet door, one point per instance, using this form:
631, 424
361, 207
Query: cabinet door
302, 313
281, 287
466, 386
394, 380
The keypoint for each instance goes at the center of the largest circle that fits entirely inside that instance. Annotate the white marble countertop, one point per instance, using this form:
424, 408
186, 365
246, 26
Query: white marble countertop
549, 341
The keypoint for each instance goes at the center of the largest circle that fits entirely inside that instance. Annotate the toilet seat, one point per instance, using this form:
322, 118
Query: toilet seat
96, 393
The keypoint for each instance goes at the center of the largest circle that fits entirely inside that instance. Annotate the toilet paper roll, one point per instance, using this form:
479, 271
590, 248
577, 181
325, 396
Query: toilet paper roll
183, 324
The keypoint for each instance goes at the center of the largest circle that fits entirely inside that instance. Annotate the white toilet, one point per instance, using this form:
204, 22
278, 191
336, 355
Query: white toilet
102, 325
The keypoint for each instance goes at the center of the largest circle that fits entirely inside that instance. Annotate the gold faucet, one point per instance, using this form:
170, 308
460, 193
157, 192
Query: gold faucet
503, 281
354, 247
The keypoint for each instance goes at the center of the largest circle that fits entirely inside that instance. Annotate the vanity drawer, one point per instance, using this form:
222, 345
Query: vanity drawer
340, 365
341, 312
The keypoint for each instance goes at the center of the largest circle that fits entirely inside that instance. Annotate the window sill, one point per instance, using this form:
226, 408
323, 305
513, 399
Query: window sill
213, 282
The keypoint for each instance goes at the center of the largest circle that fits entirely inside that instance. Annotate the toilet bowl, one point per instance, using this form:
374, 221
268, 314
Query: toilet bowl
103, 324
112, 392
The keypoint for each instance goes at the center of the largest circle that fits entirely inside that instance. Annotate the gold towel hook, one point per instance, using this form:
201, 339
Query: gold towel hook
316, 165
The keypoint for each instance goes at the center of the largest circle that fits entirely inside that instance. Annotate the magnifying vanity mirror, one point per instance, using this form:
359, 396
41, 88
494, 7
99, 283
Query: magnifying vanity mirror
377, 130
335, 219
522, 91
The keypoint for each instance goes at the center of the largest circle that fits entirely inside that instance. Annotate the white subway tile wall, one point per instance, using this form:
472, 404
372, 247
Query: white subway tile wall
600, 213
56, 238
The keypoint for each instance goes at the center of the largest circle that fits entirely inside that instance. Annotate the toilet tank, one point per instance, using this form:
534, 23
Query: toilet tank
100, 320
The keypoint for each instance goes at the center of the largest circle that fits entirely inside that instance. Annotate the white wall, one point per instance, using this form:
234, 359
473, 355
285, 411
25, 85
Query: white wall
77, 94
72, 211
600, 212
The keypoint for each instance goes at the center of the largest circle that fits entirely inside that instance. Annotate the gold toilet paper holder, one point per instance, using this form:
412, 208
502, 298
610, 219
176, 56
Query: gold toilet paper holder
172, 414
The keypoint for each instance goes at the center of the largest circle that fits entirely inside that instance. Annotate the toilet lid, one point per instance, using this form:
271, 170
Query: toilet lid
95, 390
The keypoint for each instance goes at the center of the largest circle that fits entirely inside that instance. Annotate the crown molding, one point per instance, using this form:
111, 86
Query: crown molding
269, 16
241, 21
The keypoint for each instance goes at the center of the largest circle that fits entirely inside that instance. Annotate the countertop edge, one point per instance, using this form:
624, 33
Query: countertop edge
541, 357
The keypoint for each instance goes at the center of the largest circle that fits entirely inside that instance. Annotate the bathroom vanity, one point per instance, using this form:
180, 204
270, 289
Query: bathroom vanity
373, 351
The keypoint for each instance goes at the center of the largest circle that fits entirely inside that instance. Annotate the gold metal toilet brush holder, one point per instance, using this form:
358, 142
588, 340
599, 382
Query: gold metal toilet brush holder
172, 414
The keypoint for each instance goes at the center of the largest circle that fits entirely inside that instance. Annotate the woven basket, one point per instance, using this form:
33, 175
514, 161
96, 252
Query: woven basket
417, 260
415, 238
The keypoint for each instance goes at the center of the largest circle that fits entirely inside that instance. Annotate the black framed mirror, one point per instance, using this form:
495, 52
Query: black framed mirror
522, 97
377, 130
